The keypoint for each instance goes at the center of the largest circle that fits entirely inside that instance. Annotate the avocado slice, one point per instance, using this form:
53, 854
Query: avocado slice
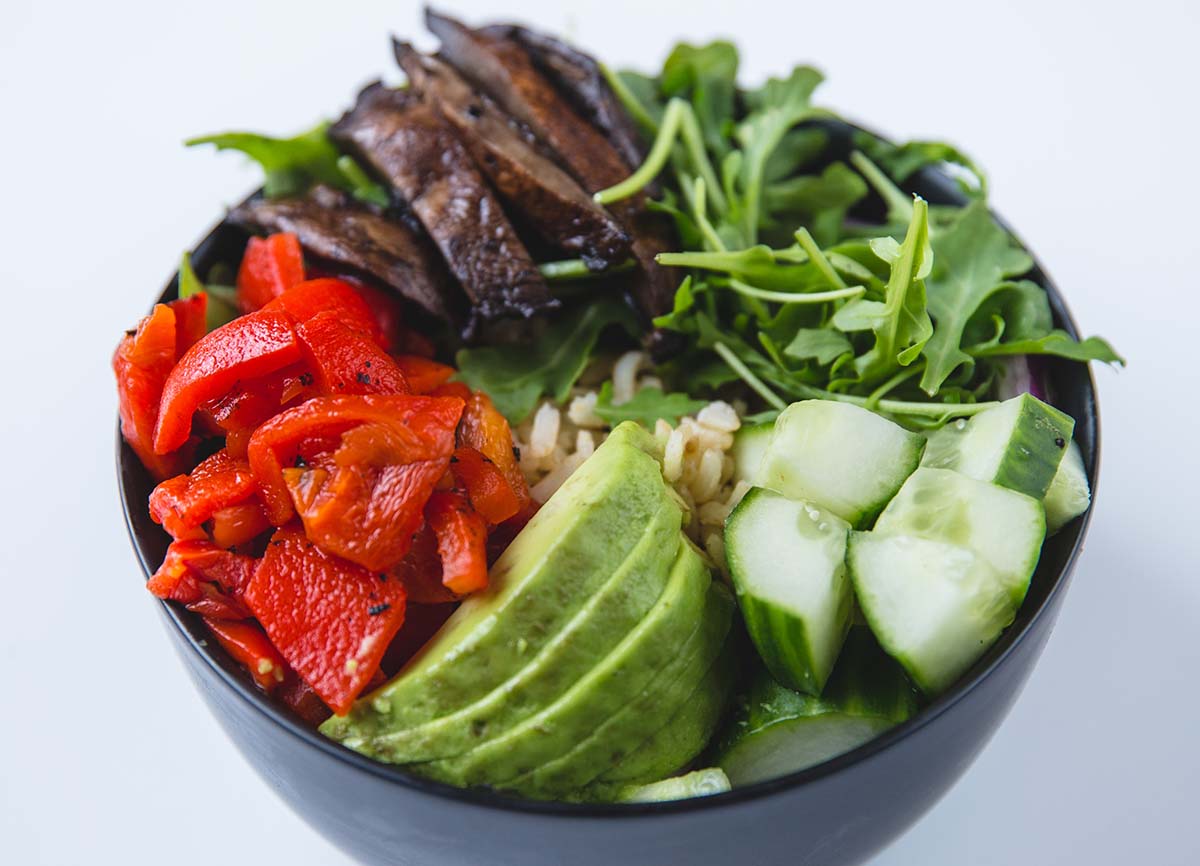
570, 549
603, 691
687, 732
621, 735
595, 630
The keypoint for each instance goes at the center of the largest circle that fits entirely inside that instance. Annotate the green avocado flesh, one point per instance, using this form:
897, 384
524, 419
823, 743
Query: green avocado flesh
601, 630
608, 687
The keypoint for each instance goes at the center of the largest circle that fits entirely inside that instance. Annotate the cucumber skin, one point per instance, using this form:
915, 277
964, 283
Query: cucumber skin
1068, 495
1035, 449
866, 683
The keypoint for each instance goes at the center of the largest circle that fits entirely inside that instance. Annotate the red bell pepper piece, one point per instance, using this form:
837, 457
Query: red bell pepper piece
204, 578
307, 299
249, 646
330, 619
423, 375
486, 430
346, 361
235, 525
461, 540
303, 701
248, 347
489, 490
421, 570
453, 389
191, 321
270, 266
308, 434
251, 402
182, 503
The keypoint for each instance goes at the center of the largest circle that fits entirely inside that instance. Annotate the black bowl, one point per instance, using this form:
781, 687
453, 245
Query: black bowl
839, 812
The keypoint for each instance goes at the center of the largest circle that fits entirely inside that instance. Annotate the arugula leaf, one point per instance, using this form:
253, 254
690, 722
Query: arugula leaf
684, 301
218, 310
795, 150
646, 406
818, 201
820, 344
292, 165
1058, 343
903, 326
517, 376
709, 72
974, 259
905, 160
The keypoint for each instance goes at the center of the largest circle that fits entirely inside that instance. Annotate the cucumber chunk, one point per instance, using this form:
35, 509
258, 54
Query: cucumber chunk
698, 783
1003, 527
749, 446
1018, 444
1068, 496
777, 731
787, 560
841, 458
934, 607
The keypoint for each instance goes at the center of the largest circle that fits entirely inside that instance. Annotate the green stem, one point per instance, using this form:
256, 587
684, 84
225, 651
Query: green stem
660, 152
632, 104
700, 213
892, 383
895, 407
693, 141
577, 269
818, 258
735, 364
794, 297
899, 204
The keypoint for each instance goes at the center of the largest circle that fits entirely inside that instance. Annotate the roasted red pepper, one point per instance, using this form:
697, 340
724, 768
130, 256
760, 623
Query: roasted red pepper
205, 578
461, 540
360, 469
236, 525
486, 430
250, 648
248, 347
344, 360
191, 321
489, 490
330, 619
311, 297
421, 570
270, 266
423, 375
183, 503
142, 363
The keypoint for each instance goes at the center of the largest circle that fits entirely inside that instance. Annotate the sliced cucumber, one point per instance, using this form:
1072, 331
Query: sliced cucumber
1068, 496
935, 607
1018, 444
749, 446
842, 458
777, 731
787, 560
1003, 527
698, 783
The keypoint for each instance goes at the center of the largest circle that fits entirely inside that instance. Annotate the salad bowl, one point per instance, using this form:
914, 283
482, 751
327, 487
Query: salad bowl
841, 811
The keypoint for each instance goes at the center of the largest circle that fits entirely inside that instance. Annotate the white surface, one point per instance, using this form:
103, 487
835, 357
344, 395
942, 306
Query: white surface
1083, 112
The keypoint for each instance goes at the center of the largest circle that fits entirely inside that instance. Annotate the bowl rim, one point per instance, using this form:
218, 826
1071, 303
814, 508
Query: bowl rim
485, 798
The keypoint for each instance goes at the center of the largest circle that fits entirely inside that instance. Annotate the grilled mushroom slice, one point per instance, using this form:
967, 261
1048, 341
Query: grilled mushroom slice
408, 144
332, 227
549, 199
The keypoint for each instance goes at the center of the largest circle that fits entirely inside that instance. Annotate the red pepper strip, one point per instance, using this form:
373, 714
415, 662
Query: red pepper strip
345, 361
248, 347
236, 525
421, 570
461, 540
330, 619
182, 503
250, 648
388, 312
304, 702
205, 578
191, 322
142, 362
301, 434
270, 266
312, 297
423, 375
453, 389
251, 402
489, 491
486, 430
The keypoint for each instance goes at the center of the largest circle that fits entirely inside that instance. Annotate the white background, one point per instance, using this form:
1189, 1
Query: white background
1083, 112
